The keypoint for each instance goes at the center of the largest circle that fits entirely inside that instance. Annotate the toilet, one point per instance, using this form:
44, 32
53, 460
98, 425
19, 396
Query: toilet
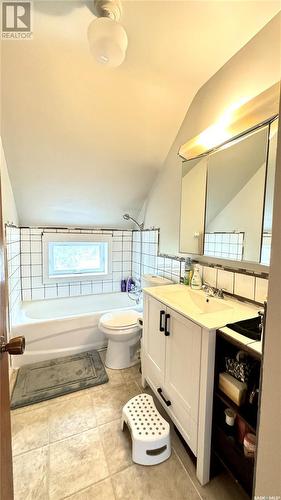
123, 332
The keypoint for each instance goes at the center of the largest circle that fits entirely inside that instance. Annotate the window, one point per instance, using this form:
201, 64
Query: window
68, 257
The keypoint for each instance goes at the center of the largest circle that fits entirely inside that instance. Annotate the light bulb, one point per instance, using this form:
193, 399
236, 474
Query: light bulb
108, 41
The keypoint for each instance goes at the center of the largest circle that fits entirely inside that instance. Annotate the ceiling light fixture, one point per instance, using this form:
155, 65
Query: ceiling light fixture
107, 38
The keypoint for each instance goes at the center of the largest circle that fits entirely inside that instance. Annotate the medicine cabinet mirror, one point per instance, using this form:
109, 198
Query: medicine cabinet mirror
194, 176
269, 194
227, 198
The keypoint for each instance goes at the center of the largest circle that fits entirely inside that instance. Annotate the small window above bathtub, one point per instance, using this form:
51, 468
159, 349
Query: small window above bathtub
69, 257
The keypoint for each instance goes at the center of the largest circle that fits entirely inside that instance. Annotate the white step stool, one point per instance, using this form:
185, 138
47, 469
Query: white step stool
150, 432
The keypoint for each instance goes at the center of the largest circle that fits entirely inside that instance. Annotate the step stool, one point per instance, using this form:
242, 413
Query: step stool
150, 432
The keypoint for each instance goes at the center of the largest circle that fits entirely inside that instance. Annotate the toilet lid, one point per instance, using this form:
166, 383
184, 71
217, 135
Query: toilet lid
120, 319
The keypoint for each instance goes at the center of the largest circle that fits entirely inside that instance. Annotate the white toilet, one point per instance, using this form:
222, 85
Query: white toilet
123, 333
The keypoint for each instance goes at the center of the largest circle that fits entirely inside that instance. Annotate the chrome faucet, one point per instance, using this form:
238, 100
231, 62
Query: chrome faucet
261, 326
212, 291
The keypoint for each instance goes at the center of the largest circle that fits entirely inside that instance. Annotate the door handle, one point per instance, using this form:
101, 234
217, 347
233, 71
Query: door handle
161, 327
166, 401
167, 317
16, 345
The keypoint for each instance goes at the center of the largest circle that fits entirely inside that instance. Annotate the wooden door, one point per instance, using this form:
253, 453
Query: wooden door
6, 473
154, 340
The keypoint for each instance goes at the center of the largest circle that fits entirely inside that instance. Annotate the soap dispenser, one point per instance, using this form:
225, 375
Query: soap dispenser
188, 272
196, 282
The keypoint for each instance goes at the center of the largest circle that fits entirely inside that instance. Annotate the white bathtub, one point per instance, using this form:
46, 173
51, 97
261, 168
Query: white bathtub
60, 327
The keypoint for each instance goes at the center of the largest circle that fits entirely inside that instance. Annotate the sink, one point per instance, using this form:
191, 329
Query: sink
251, 328
209, 304
196, 301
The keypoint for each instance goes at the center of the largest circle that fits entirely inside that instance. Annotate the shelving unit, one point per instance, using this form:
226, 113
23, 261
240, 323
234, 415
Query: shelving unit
250, 418
227, 442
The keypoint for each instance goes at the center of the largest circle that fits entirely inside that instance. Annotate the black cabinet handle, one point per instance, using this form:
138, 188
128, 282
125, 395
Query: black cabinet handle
166, 401
161, 327
167, 317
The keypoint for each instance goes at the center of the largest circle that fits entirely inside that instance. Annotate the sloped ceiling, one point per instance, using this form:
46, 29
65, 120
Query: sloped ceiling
84, 144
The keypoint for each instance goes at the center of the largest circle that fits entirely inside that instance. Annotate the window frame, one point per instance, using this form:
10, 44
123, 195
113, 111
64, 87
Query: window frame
75, 238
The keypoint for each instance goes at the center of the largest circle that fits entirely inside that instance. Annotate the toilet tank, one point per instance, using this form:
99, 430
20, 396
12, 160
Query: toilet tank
154, 280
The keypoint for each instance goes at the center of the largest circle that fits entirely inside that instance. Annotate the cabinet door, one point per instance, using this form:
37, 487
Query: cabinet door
154, 339
183, 348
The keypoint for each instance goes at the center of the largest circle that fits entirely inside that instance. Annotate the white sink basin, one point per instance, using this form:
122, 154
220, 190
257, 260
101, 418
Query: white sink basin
196, 301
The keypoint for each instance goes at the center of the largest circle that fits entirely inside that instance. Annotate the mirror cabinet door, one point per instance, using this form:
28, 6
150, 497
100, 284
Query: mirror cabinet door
193, 196
269, 194
235, 198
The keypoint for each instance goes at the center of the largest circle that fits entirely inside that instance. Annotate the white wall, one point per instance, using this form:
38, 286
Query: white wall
8, 202
268, 477
252, 70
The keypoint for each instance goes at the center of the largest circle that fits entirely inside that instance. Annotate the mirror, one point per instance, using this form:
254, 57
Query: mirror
227, 198
194, 176
269, 194
235, 198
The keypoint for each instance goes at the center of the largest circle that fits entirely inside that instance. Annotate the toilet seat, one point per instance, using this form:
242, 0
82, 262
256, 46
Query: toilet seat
120, 320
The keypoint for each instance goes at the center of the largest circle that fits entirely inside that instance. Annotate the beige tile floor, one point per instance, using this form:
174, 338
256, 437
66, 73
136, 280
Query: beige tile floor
72, 447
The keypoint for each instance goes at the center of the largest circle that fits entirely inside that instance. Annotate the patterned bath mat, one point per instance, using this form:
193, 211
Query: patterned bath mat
56, 377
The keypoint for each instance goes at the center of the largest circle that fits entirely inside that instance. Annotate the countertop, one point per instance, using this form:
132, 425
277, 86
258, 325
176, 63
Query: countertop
208, 312
254, 345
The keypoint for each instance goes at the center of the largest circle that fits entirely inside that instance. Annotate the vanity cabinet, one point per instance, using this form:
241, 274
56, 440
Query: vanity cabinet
154, 340
178, 359
171, 364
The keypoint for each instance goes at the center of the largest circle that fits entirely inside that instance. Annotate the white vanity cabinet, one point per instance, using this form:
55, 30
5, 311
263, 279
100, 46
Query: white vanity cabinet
171, 364
178, 358
154, 340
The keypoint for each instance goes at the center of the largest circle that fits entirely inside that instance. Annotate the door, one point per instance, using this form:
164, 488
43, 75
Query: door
182, 377
6, 474
16, 346
154, 340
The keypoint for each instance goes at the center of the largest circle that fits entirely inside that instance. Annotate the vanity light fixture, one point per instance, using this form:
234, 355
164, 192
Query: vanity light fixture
218, 133
107, 38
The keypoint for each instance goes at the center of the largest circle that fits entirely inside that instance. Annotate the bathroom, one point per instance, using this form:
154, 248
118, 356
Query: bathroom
140, 250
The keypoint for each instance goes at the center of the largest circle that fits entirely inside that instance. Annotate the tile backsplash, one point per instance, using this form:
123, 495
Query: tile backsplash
242, 284
25, 273
25, 270
225, 280
33, 287
170, 267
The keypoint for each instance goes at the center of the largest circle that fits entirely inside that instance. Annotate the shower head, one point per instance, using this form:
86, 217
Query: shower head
128, 217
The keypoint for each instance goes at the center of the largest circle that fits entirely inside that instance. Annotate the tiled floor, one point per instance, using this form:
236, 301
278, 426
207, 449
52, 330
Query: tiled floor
72, 447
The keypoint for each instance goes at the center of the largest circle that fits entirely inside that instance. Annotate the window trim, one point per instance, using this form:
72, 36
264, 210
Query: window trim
76, 238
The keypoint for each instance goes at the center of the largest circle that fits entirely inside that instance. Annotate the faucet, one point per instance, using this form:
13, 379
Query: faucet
212, 291
262, 316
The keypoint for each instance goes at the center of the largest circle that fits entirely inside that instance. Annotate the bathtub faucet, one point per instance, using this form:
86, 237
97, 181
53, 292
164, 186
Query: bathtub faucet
135, 292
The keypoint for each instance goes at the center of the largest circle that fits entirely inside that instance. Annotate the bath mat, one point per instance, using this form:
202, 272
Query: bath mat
57, 377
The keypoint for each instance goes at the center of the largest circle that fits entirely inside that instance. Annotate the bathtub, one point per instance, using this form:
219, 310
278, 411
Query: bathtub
61, 327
